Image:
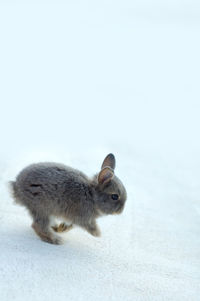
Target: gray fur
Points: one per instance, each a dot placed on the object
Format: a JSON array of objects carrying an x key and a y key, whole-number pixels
[{"x": 52, "y": 189}]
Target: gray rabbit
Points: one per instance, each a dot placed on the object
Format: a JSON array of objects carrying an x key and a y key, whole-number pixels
[{"x": 50, "y": 190}]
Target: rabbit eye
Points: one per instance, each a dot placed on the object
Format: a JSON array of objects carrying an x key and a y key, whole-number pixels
[{"x": 115, "y": 197}]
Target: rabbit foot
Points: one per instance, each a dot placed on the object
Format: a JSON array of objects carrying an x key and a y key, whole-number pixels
[
  {"x": 96, "y": 232},
  {"x": 47, "y": 237},
  {"x": 93, "y": 230},
  {"x": 62, "y": 227},
  {"x": 54, "y": 240}
]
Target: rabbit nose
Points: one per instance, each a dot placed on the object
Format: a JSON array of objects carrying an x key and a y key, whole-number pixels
[{"x": 119, "y": 206}]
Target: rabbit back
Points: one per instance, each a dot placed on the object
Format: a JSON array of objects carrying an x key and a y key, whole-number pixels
[{"x": 53, "y": 188}]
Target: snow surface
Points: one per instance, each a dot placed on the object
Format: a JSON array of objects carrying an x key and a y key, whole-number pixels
[{"x": 82, "y": 79}]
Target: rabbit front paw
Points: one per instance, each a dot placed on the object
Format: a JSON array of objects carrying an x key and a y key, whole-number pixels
[
  {"x": 93, "y": 230},
  {"x": 96, "y": 232}
]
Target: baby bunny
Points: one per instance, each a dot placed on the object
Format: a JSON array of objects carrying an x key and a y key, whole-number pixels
[{"x": 54, "y": 190}]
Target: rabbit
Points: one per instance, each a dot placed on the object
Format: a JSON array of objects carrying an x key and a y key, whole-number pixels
[{"x": 50, "y": 190}]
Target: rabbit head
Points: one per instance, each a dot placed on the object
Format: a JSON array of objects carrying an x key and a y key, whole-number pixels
[{"x": 110, "y": 192}]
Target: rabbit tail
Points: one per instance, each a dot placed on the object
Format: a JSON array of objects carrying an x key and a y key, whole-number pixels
[{"x": 14, "y": 192}]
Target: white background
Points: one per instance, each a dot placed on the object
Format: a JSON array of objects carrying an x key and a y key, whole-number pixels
[{"x": 79, "y": 79}]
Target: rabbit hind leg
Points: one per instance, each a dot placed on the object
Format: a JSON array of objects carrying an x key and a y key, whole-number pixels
[
  {"x": 63, "y": 227},
  {"x": 41, "y": 227}
]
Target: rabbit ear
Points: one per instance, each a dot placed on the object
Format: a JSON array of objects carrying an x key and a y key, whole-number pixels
[
  {"x": 105, "y": 175},
  {"x": 109, "y": 161}
]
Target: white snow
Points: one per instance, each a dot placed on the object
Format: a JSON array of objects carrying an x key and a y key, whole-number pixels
[{"x": 80, "y": 80}]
